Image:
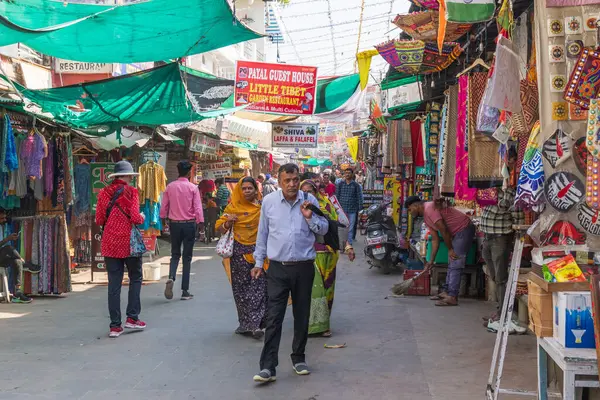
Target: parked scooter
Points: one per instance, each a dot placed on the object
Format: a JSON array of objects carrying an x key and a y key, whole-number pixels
[{"x": 381, "y": 243}]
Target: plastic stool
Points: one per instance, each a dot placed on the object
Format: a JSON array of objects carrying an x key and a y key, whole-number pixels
[{"x": 5, "y": 293}]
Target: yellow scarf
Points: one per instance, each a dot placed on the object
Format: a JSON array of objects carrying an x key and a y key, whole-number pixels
[{"x": 245, "y": 228}]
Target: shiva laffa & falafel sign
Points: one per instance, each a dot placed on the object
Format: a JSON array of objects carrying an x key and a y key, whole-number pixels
[
  {"x": 275, "y": 88},
  {"x": 304, "y": 136}
]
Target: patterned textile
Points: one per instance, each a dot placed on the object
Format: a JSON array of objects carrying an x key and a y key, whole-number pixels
[
  {"x": 530, "y": 189},
  {"x": 487, "y": 197},
  {"x": 325, "y": 272},
  {"x": 584, "y": 83},
  {"x": 502, "y": 92},
  {"x": 523, "y": 122},
  {"x": 593, "y": 126},
  {"x": 570, "y": 3},
  {"x": 448, "y": 167},
  {"x": 428, "y": 4},
  {"x": 415, "y": 56},
  {"x": 484, "y": 158},
  {"x": 461, "y": 181},
  {"x": 376, "y": 115},
  {"x": 423, "y": 25},
  {"x": 441, "y": 150},
  {"x": 469, "y": 11},
  {"x": 250, "y": 295},
  {"x": 560, "y": 111},
  {"x": 577, "y": 113},
  {"x": 592, "y": 187}
]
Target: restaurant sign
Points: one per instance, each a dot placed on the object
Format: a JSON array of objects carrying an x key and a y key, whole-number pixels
[
  {"x": 295, "y": 135},
  {"x": 201, "y": 143},
  {"x": 76, "y": 67},
  {"x": 219, "y": 169}
]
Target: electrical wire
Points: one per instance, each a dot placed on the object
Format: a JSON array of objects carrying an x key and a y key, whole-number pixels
[
  {"x": 312, "y": 28},
  {"x": 336, "y": 10},
  {"x": 353, "y": 29},
  {"x": 331, "y": 34},
  {"x": 362, "y": 11}
]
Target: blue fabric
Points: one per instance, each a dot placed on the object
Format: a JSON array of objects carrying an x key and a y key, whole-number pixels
[
  {"x": 283, "y": 233},
  {"x": 10, "y": 151},
  {"x": 137, "y": 247},
  {"x": 350, "y": 196},
  {"x": 82, "y": 188},
  {"x": 152, "y": 213},
  {"x": 352, "y": 227}
]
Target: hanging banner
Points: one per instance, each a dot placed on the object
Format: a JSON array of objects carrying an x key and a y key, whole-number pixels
[
  {"x": 275, "y": 88},
  {"x": 207, "y": 93},
  {"x": 100, "y": 173},
  {"x": 218, "y": 169},
  {"x": 304, "y": 136},
  {"x": 201, "y": 143}
]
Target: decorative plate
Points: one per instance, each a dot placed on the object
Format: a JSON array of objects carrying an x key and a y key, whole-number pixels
[
  {"x": 573, "y": 25},
  {"x": 577, "y": 113},
  {"x": 558, "y": 83},
  {"x": 557, "y": 53},
  {"x": 559, "y": 111},
  {"x": 574, "y": 48},
  {"x": 592, "y": 186},
  {"x": 590, "y": 23},
  {"x": 555, "y": 27},
  {"x": 557, "y": 148},
  {"x": 564, "y": 191},
  {"x": 588, "y": 219},
  {"x": 563, "y": 233},
  {"x": 580, "y": 155}
]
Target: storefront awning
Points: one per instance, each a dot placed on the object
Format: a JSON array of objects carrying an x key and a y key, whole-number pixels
[
  {"x": 129, "y": 139},
  {"x": 239, "y": 145}
]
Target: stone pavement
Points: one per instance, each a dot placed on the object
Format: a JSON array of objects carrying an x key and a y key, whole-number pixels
[{"x": 397, "y": 348}]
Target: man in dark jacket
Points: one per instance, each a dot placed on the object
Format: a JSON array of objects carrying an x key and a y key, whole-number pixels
[{"x": 350, "y": 195}]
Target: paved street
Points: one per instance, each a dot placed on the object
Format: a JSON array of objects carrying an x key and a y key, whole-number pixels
[{"x": 397, "y": 348}]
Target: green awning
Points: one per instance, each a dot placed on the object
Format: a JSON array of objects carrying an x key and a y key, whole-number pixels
[
  {"x": 403, "y": 110},
  {"x": 395, "y": 79},
  {"x": 332, "y": 93},
  {"x": 239, "y": 145},
  {"x": 318, "y": 162},
  {"x": 151, "y": 30}
]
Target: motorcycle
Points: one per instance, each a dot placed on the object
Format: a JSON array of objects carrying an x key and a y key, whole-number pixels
[{"x": 381, "y": 242}]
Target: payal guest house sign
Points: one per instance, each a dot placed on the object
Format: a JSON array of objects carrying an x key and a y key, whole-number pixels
[
  {"x": 275, "y": 88},
  {"x": 304, "y": 136}
]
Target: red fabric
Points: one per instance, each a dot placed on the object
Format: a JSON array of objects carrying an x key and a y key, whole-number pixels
[
  {"x": 417, "y": 143},
  {"x": 117, "y": 230},
  {"x": 330, "y": 189}
]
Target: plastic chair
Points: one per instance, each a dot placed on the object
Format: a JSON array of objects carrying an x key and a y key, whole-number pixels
[{"x": 5, "y": 291}]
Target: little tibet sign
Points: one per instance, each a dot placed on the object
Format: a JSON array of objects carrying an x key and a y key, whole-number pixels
[{"x": 304, "y": 136}]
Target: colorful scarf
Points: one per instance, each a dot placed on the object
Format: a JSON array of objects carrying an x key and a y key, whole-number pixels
[
  {"x": 246, "y": 226},
  {"x": 449, "y": 162},
  {"x": 461, "y": 181},
  {"x": 530, "y": 189}
]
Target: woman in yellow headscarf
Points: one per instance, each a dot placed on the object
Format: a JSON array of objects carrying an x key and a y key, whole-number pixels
[{"x": 250, "y": 295}]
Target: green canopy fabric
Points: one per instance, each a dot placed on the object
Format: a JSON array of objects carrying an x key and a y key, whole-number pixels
[
  {"x": 317, "y": 162},
  {"x": 403, "y": 110},
  {"x": 332, "y": 93},
  {"x": 395, "y": 79},
  {"x": 152, "y": 30},
  {"x": 152, "y": 97}
]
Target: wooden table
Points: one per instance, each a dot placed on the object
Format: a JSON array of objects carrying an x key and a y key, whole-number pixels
[{"x": 580, "y": 368}]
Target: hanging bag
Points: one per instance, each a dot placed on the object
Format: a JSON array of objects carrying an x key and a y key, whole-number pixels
[
  {"x": 225, "y": 244},
  {"x": 137, "y": 248}
]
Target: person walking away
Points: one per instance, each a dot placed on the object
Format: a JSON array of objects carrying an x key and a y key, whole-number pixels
[
  {"x": 260, "y": 181},
  {"x": 497, "y": 226},
  {"x": 223, "y": 194},
  {"x": 117, "y": 210},
  {"x": 210, "y": 211},
  {"x": 286, "y": 235},
  {"x": 269, "y": 186},
  {"x": 181, "y": 205},
  {"x": 325, "y": 270},
  {"x": 250, "y": 295},
  {"x": 327, "y": 182},
  {"x": 350, "y": 195},
  {"x": 458, "y": 233}
]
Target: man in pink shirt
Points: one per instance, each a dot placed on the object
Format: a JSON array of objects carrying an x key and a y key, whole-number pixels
[
  {"x": 182, "y": 206},
  {"x": 458, "y": 233}
]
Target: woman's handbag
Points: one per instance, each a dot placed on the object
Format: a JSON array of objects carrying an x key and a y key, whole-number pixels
[
  {"x": 137, "y": 248},
  {"x": 225, "y": 244}
]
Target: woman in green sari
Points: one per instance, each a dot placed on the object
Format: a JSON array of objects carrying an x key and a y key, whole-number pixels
[{"x": 325, "y": 265}]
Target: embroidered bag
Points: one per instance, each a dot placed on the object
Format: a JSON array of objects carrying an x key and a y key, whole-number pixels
[{"x": 225, "y": 244}]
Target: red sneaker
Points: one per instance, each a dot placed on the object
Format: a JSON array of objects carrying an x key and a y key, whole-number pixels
[
  {"x": 135, "y": 324},
  {"x": 115, "y": 332}
]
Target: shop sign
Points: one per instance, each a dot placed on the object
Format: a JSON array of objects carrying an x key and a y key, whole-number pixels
[
  {"x": 100, "y": 173},
  {"x": 275, "y": 88},
  {"x": 98, "y": 264},
  {"x": 149, "y": 242},
  {"x": 403, "y": 95},
  {"x": 76, "y": 67},
  {"x": 295, "y": 135},
  {"x": 371, "y": 197},
  {"x": 218, "y": 169},
  {"x": 204, "y": 144}
]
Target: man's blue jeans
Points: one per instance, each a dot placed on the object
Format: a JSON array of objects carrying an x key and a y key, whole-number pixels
[{"x": 352, "y": 227}]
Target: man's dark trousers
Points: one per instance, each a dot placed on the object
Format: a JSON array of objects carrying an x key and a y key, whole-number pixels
[
  {"x": 182, "y": 233},
  {"x": 283, "y": 278}
]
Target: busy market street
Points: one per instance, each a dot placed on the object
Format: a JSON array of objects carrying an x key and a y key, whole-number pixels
[{"x": 395, "y": 347}]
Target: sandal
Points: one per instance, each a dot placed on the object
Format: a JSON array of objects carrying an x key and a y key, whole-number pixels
[
  {"x": 326, "y": 334},
  {"x": 440, "y": 296},
  {"x": 445, "y": 303}
]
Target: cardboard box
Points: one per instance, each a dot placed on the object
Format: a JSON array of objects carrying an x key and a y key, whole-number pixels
[
  {"x": 573, "y": 322},
  {"x": 539, "y": 304}
]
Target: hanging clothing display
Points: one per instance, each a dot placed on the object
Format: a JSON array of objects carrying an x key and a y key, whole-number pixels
[
  {"x": 530, "y": 189},
  {"x": 152, "y": 182},
  {"x": 448, "y": 172},
  {"x": 461, "y": 182}
]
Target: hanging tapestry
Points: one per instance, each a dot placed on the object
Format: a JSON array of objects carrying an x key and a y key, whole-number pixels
[
  {"x": 557, "y": 148},
  {"x": 555, "y": 27},
  {"x": 523, "y": 122},
  {"x": 573, "y": 25},
  {"x": 592, "y": 184},
  {"x": 423, "y": 25},
  {"x": 559, "y": 111},
  {"x": 502, "y": 91},
  {"x": 484, "y": 159},
  {"x": 584, "y": 82},
  {"x": 563, "y": 233},
  {"x": 563, "y": 191},
  {"x": 468, "y": 11},
  {"x": 588, "y": 219},
  {"x": 577, "y": 113},
  {"x": 580, "y": 155},
  {"x": 448, "y": 168},
  {"x": 442, "y": 153},
  {"x": 530, "y": 186},
  {"x": 593, "y": 128},
  {"x": 462, "y": 191},
  {"x": 414, "y": 56}
]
